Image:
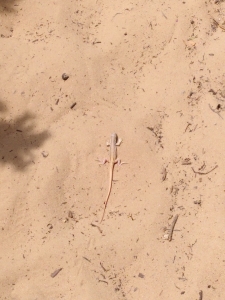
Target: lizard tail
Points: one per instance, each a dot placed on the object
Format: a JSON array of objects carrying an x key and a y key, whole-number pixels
[{"x": 109, "y": 191}]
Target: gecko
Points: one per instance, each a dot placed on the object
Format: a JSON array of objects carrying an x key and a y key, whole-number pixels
[{"x": 113, "y": 143}]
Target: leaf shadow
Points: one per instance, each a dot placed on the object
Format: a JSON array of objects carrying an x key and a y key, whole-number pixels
[
  {"x": 7, "y": 6},
  {"x": 17, "y": 140},
  {"x": 3, "y": 107}
]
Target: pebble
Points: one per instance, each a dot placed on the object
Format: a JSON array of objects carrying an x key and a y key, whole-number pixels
[
  {"x": 44, "y": 153},
  {"x": 65, "y": 76},
  {"x": 223, "y": 93}
]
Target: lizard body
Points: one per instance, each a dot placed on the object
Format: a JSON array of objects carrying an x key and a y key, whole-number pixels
[{"x": 114, "y": 142}]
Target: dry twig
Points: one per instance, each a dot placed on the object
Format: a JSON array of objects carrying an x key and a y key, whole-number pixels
[
  {"x": 202, "y": 173},
  {"x": 56, "y": 272},
  {"x": 218, "y": 24},
  {"x": 164, "y": 174},
  {"x": 86, "y": 259},
  {"x": 216, "y": 112},
  {"x": 172, "y": 228},
  {"x": 92, "y": 224}
]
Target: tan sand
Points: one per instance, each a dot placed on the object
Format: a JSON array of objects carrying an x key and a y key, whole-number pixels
[{"x": 151, "y": 71}]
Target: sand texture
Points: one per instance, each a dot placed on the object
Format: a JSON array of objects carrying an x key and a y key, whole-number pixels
[{"x": 154, "y": 73}]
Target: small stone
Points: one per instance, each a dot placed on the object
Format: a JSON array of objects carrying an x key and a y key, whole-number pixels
[
  {"x": 70, "y": 214},
  {"x": 141, "y": 275},
  {"x": 44, "y": 153},
  {"x": 166, "y": 236},
  {"x": 212, "y": 91},
  {"x": 65, "y": 76},
  {"x": 199, "y": 202},
  {"x": 223, "y": 93},
  {"x": 49, "y": 226}
]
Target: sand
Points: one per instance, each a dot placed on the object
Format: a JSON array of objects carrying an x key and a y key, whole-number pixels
[{"x": 151, "y": 71}]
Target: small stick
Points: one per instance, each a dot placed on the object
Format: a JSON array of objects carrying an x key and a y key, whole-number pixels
[
  {"x": 187, "y": 126},
  {"x": 72, "y": 106},
  {"x": 116, "y": 15},
  {"x": 97, "y": 227},
  {"x": 152, "y": 129},
  {"x": 164, "y": 174},
  {"x": 103, "y": 281},
  {"x": 87, "y": 259},
  {"x": 172, "y": 228},
  {"x": 103, "y": 267},
  {"x": 216, "y": 112},
  {"x": 202, "y": 173},
  {"x": 96, "y": 42},
  {"x": 200, "y": 295},
  {"x": 221, "y": 26},
  {"x": 56, "y": 272}
]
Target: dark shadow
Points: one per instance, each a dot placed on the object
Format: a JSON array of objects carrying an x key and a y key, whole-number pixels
[
  {"x": 3, "y": 107},
  {"x": 7, "y": 5},
  {"x": 17, "y": 139}
]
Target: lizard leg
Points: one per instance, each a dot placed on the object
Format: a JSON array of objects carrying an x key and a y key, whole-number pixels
[
  {"x": 102, "y": 162},
  {"x": 119, "y": 162},
  {"x": 119, "y": 142}
]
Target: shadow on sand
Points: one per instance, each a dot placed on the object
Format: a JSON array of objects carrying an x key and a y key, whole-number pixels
[
  {"x": 18, "y": 138},
  {"x": 7, "y": 5}
]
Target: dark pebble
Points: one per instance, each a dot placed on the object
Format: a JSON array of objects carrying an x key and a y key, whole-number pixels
[
  {"x": 141, "y": 275},
  {"x": 65, "y": 76}
]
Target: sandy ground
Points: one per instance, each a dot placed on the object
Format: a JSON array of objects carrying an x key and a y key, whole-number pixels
[{"x": 151, "y": 71}]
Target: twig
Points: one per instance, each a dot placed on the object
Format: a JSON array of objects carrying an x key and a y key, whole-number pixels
[
  {"x": 164, "y": 174},
  {"x": 86, "y": 259},
  {"x": 202, "y": 173},
  {"x": 96, "y": 42},
  {"x": 104, "y": 269},
  {"x": 221, "y": 26},
  {"x": 116, "y": 15},
  {"x": 187, "y": 126},
  {"x": 172, "y": 228},
  {"x": 152, "y": 129},
  {"x": 92, "y": 224},
  {"x": 73, "y": 105},
  {"x": 216, "y": 112},
  {"x": 56, "y": 272},
  {"x": 103, "y": 281},
  {"x": 200, "y": 295}
]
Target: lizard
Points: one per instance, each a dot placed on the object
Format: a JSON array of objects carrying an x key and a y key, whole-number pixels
[{"x": 114, "y": 142}]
